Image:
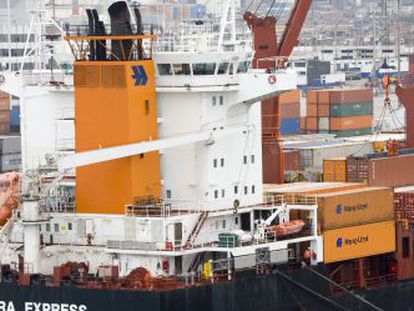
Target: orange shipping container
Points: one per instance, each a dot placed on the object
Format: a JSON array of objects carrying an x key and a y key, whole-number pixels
[
  {"x": 290, "y": 97},
  {"x": 359, "y": 241},
  {"x": 355, "y": 207},
  {"x": 311, "y": 123},
  {"x": 321, "y": 110},
  {"x": 350, "y": 123},
  {"x": 334, "y": 170}
]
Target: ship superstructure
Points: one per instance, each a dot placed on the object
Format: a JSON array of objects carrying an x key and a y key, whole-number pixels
[{"x": 167, "y": 157}]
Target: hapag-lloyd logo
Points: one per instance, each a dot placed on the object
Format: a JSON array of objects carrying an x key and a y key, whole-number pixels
[
  {"x": 351, "y": 208},
  {"x": 342, "y": 242}
]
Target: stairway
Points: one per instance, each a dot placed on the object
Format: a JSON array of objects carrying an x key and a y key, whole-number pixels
[
  {"x": 196, "y": 262},
  {"x": 197, "y": 228}
]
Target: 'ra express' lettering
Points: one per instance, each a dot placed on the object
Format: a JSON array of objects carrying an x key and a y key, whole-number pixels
[{"x": 42, "y": 306}]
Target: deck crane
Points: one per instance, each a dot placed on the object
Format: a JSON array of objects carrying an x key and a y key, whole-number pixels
[{"x": 272, "y": 54}]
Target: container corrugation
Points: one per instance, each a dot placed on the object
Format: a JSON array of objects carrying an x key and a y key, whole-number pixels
[
  {"x": 350, "y": 133},
  {"x": 356, "y": 109},
  {"x": 392, "y": 171},
  {"x": 289, "y": 110},
  {"x": 334, "y": 170},
  {"x": 292, "y": 160},
  {"x": 359, "y": 241},
  {"x": 350, "y": 123},
  {"x": 355, "y": 207},
  {"x": 289, "y": 126}
]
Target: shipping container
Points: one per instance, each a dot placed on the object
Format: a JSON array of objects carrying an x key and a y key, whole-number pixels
[
  {"x": 404, "y": 204},
  {"x": 350, "y": 123},
  {"x": 355, "y": 207},
  {"x": 4, "y": 101},
  {"x": 359, "y": 241},
  {"x": 394, "y": 171},
  {"x": 291, "y": 97},
  {"x": 10, "y": 145},
  {"x": 357, "y": 109},
  {"x": 289, "y": 126},
  {"x": 10, "y": 162},
  {"x": 313, "y": 154},
  {"x": 292, "y": 160},
  {"x": 311, "y": 123},
  {"x": 323, "y": 124},
  {"x": 321, "y": 110},
  {"x": 350, "y": 133},
  {"x": 334, "y": 170},
  {"x": 289, "y": 110}
]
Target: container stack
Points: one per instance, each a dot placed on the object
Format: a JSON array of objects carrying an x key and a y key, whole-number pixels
[
  {"x": 396, "y": 171},
  {"x": 404, "y": 204},
  {"x": 4, "y": 113},
  {"x": 356, "y": 221},
  {"x": 289, "y": 104},
  {"x": 343, "y": 112}
]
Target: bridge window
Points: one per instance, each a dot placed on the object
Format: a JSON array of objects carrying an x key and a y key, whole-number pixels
[
  {"x": 164, "y": 69},
  {"x": 204, "y": 69},
  {"x": 182, "y": 69},
  {"x": 243, "y": 67},
  {"x": 231, "y": 70},
  {"x": 223, "y": 68}
]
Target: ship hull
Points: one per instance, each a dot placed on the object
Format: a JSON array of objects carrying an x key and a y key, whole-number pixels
[{"x": 280, "y": 290}]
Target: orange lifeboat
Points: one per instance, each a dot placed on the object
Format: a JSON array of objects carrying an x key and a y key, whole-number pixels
[
  {"x": 9, "y": 198},
  {"x": 287, "y": 228}
]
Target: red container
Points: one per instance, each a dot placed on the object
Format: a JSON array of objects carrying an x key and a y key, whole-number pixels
[
  {"x": 292, "y": 160},
  {"x": 391, "y": 171},
  {"x": 350, "y": 123}
]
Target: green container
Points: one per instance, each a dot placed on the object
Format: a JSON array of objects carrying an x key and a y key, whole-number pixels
[
  {"x": 347, "y": 110},
  {"x": 228, "y": 240},
  {"x": 358, "y": 132}
]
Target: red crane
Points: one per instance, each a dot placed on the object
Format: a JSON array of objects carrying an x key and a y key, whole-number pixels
[{"x": 270, "y": 54}]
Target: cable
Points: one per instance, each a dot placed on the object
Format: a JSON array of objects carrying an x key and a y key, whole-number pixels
[
  {"x": 270, "y": 8},
  {"x": 258, "y": 7}
]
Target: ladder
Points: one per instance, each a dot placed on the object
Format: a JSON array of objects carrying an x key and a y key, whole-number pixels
[{"x": 197, "y": 228}]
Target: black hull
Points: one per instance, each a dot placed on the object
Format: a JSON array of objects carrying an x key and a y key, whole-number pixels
[{"x": 298, "y": 290}]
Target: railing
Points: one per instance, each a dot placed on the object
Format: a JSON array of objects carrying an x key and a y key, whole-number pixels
[
  {"x": 291, "y": 199},
  {"x": 163, "y": 209}
]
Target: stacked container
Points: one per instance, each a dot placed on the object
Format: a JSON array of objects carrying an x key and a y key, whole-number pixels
[
  {"x": 334, "y": 170},
  {"x": 10, "y": 152},
  {"x": 289, "y": 104},
  {"x": 343, "y": 112},
  {"x": 4, "y": 113},
  {"x": 404, "y": 204}
]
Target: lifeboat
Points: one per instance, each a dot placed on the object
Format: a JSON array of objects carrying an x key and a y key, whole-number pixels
[
  {"x": 287, "y": 228},
  {"x": 9, "y": 198}
]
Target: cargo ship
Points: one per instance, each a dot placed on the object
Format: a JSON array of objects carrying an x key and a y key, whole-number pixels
[{"x": 161, "y": 205}]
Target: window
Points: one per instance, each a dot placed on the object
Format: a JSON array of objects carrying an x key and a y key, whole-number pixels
[
  {"x": 246, "y": 191},
  {"x": 164, "y": 69},
  {"x": 147, "y": 106},
  {"x": 221, "y": 100},
  {"x": 252, "y": 158},
  {"x": 224, "y": 224},
  {"x": 217, "y": 225},
  {"x": 216, "y": 194},
  {"x": 236, "y": 220},
  {"x": 245, "y": 159},
  {"x": 223, "y": 193},
  {"x": 70, "y": 226},
  {"x": 222, "y": 69},
  {"x": 48, "y": 227},
  {"x": 405, "y": 247},
  {"x": 243, "y": 67},
  {"x": 56, "y": 227},
  {"x": 215, "y": 163},
  {"x": 214, "y": 100},
  {"x": 221, "y": 162},
  {"x": 168, "y": 194},
  {"x": 253, "y": 189},
  {"x": 204, "y": 69},
  {"x": 236, "y": 189},
  {"x": 182, "y": 69}
]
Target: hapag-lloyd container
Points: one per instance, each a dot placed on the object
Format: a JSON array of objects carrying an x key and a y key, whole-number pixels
[
  {"x": 355, "y": 207},
  {"x": 359, "y": 241}
]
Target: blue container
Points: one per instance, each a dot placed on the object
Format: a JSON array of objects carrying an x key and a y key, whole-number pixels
[
  {"x": 198, "y": 11},
  {"x": 15, "y": 115},
  {"x": 289, "y": 126}
]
